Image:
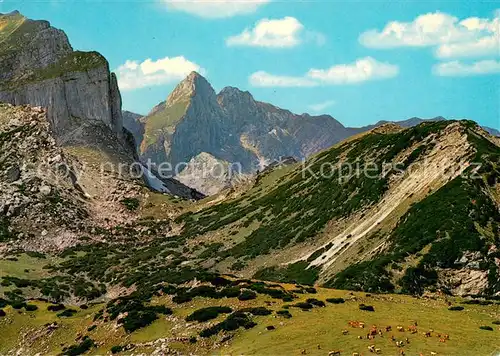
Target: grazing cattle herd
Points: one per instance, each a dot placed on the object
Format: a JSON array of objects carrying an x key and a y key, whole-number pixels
[{"x": 375, "y": 331}]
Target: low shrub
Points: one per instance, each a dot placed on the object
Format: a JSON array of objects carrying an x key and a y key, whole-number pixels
[
  {"x": 284, "y": 313},
  {"x": 182, "y": 298},
  {"x": 116, "y": 349},
  {"x": 486, "y": 327},
  {"x": 131, "y": 204},
  {"x": 315, "y": 302},
  {"x": 67, "y": 313},
  {"x": 137, "y": 319},
  {"x": 92, "y": 327},
  {"x": 2, "y": 313},
  {"x": 206, "y": 314},
  {"x": 30, "y": 307},
  {"x": 496, "y": 322},
  {"x": 335, "y": 300},
  {"x": 229, "y": 292},
  {"x": 256, "y": 311},
  {"x": 456, "y": 308},
  {"x": 232, "y": 322},
  {"x": 366, "y": 307},
  {"x": 303, "y": 305},
  {"x": 75, "y": 350},
  {"x": 247, "y": 295},
  {"x": 55, "y": 308},
  {"x": 18, "y": 304}
]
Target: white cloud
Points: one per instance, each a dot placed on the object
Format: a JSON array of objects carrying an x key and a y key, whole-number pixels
[
  {"x": 134, "y": 75},
  {"x": 281, "y": 33},
  {"x": 482, "y": 47},
  {"x": 362, "y": 70},
  {"x": 214, "y": 9},
  {"x": 321, "y": 106},
  {"x": 458, "y": 69},
  {"x": 264, "y": 79},
  {"x": 471, "y": 37}
]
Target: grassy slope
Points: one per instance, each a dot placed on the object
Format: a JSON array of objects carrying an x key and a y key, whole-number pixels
[
  {"x": 161, "y": 122},
  {"x": 324, "y": 326},
  {"x": 460, "y": 217},
  {"x": 9, "y": 24},
  {"x": 296, "y": 209}
]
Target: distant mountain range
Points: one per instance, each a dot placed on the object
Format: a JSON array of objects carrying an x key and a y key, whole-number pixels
[{"x": 232, "y": 126}]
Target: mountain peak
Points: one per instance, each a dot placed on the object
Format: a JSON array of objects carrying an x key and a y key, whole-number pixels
[
  {"x": 12, "y": 13},
  {"x": 234, "y": 96},
  {"x": 194, "y": 84}
]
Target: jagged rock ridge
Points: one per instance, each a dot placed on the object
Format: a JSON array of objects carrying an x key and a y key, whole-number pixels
[{"x": 39, "y": 67}]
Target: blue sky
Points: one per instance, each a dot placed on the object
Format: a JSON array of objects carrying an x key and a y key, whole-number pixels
[{"x": 330, "y": 57}]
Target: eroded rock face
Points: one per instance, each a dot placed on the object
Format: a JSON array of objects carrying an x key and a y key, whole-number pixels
[
  {"x": 131, "y": 121},
  {"x": 230, "y": 126},
  {"x": 51, "y": 195},
  {"x": 29, "y": 45},
  {"x": 207, "y": 174},
  {"x": 40, "y": 68}
]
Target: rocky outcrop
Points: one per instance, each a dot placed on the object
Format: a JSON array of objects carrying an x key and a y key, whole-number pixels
[
  {"x": 131, "y": 122},
  {"x": 40, "y": 68},
  {"x": 232, "y": 127},
  {"x": 208, "y": 174}
]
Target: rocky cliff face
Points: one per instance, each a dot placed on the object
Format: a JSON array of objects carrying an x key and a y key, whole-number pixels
[
  {"x": 39, "y": 67},
  {"x": 188, "y": 123},
  {"x": 230, "y": 126},
  {"x": 132, "y": 123}
]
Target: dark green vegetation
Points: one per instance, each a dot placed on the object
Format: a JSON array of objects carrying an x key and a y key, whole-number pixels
[
  {"x": 451, "y": 220},
  {"x": 137, "y": 316},
  {"x": 247, "y": 295},
  {"x": 366, "y": 307},
  {"x": 298, "y": 208},
  {"x": 486, "y": 327},
  {"x": 284, "y": 313},
  {"x": 116, "y": 349},
  {"x": 233, "y": 322},
  {"x": 84, "y": 346},
  {"x": 209, "y": 313},
  {"x": 67, "y": 313},
  {"x": 131, "y": 204},
  {"x": 336, "y": 300}
]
